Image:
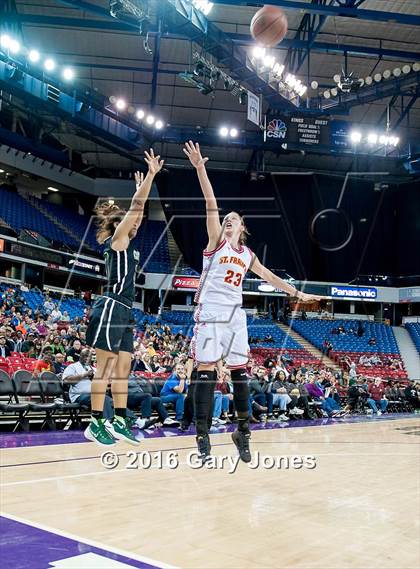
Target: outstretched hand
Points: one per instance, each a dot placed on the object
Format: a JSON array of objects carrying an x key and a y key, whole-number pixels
[
  {"x": 154, "y": 163},
  {"x": 194, "y": 154},
  {"x": 302, "y": 296}
]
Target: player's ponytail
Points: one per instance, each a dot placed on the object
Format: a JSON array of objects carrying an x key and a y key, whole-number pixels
[{"x": 106, "y": 216}]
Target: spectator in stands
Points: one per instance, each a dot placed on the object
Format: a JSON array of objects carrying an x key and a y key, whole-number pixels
[
  {"x": 174, "y": 390},
  {"x": 223, "y": 396},
  {"x": 48, "y": 305},
  {"x": 57, "y": 345},
  {"x": 360, "y": 329},
  {"x": 59, "y": 365},
  {"x": 260, "y": 390},
  {"x": 65, "y": 317},
  {"x": 5, "y": 350},
  {"x": 279, "y": 388},
  {"x": 357, "y": 395},
  {"x": 412, "y": 394},
  {"x": 328, "y": 405},
  {"x": 75, "y": 351},
  {"x": 352, "y": 373},
  {"x": 140, "y": 397},
  {"x": 18, "y": 341},
  {"x": 377, "y": 397},
  {"x": 56, "y": 314},
  {"x": 45, "y": 361},
  {"x": 372, "y": 341},
  {"x": 79, "y": 376}
]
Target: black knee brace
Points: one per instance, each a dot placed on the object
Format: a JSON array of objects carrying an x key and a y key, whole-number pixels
[
  {"x": 203, "y": 400},
  {"x": 240, "y": 391}
]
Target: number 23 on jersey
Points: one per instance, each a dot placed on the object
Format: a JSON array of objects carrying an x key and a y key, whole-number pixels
[{"x": 233, "y": 278}]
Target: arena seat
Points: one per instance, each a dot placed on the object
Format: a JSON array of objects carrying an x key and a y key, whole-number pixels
[
  {"x": 20, "y": 214},
  {"x": 414, "y": 331}
]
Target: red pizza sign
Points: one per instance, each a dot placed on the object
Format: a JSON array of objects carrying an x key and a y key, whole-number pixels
[{"x": 185, "y": 282}]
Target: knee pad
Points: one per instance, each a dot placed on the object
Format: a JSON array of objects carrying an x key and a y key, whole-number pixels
[{"x": 240, "y": 390}]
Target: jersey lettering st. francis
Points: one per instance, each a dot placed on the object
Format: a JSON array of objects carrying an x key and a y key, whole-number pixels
[{"x": 224, "y": 270}]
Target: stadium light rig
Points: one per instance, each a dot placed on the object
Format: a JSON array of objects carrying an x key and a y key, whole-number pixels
[
  {"x": 373, "y": 138},
  {"x": 289, "y": 86},
  {"x": 231, "y": 132},
  {"x": 121, "y": 106}
]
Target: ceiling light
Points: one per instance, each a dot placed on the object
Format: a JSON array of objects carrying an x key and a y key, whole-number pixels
[
  {"x": 355, "y": 136},
  {"x": 327, "y": 94},
  {"x": 406, "y": 69},
  {"x": 34, "y": 55},
  {"x": 140, "y": 114},
  {"x": 314, "y": 85},
  {"x": 1, "y": 171},
  {"x": 223, "y": 131},
  {"x": 233, "y": 132},
  {"x": 258, "y": 52},
  {"x": 52, "y": 189},
  {"x": 49, "y": 64},
  {"x": 416, "y": 66},
  {"x": 14, "y": 46},
  {"x": 378, "y": 77},
  {"x": 68, "y": 74},
  {"x": 278, "y": 68},
  {"x": 159, "y": 125},
  {"x": 150, "y": 119},
  {"x": 5, "y": 41},
  {"x": 396, "y": 72},
  {"x": 372, "y": 138},
  {"x": 334, "y": 92},
  {"x": 386, "y": 74},
  {"x": 337, "y": 78},
  {"x": 368, "y": 80},
  {"x": 120, "y": 104},
  {"x": 269, "y": 61}
]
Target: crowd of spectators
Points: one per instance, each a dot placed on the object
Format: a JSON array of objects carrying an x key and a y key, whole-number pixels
[{"x": 160, "y": 380}]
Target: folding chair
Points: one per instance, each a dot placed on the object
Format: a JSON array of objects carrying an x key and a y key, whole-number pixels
[
  {"x": 28, "y": 386},
  {"x": 51, "y": 386},
  {"x": 12, "y": 405}
]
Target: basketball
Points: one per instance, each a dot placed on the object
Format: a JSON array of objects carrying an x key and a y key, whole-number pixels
[{"x": 269, "y": 26}]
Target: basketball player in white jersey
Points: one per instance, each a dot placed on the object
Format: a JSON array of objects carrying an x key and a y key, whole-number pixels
[{"x": 221, "y": 328}]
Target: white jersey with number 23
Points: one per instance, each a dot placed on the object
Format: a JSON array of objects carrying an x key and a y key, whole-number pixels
[{"x": 224, "y": 270}]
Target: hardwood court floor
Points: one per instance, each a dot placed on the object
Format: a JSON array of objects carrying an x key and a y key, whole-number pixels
[{"x": 358, "y": 508}]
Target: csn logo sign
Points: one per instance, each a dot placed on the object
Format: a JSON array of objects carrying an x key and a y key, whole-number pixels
[
  {"x": 353, "y": 292},
  {"x": 276, "y": 129}
]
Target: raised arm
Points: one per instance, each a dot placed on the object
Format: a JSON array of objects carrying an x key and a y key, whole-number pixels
[
  {"x": 258, "y": 268},
  {"x": 214, "y": 228},
  {"x": 134, "y": 216}
]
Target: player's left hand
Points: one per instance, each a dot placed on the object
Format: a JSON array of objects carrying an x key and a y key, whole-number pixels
[
  {"x": 302, "y": 296},
  {"x": 154, "y": 163}
]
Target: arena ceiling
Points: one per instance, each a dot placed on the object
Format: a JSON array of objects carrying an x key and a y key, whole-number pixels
[{"x": 109, "y": 56}]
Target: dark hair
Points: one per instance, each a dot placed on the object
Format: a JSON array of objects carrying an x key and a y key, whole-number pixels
[{"x": 106, "y": 216}]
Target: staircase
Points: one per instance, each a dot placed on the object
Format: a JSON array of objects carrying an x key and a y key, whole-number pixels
[
  {"x": 408, "y": 352},
  {"x": 35, "y": 202},
  {"x": 323, "y": 359}
]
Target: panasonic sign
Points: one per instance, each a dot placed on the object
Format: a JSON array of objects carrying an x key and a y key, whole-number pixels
[{"x": 354, "y": 292}]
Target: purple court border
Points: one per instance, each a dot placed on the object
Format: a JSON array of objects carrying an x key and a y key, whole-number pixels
[
  {"x": 24, "y": 546},
  {"x": 14, "y": 440}
]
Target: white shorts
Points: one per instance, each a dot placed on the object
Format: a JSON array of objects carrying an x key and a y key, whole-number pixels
[{"x": 220, "y": 332}]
